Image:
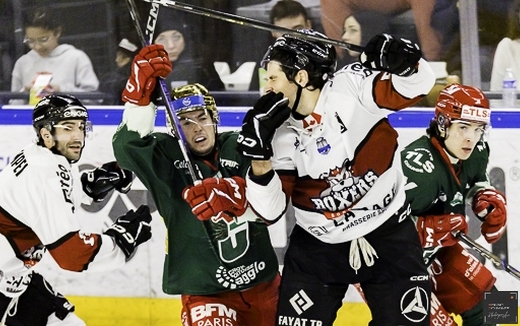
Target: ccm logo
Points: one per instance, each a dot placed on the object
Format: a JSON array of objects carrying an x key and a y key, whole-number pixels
[{"x": 419, "y": 278}]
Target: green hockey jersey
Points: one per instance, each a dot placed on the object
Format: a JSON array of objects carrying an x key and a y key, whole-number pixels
[
  {"x": 202, "y": 257},
  {"x": 435, "y": 186}
]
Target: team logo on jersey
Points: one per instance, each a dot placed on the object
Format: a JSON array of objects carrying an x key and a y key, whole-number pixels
[
  {"x": 414, "y": 304},
  {"x": 419, "y": 160},
  {"x": 323, "y": 146},
  {"x": 344, "y": 190}
]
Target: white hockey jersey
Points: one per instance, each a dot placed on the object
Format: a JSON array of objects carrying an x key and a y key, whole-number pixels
[
  {"x": 339, "y": 165},
  {"x": 38, "y": 198}
]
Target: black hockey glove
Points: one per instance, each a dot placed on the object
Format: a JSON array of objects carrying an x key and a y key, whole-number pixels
[
  {"x": 49, "y": 299},
  {"x": 98, "y": 182},
  {"x": 396, "y": 56},
  {"x": 259, "y": 125},
  {"x": 131, "y": 229}
]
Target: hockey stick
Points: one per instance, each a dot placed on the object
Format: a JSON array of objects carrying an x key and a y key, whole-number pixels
[
  {"x": 175, "y": 125},
  {"x": 245, "y": 21},
  {"x": 497, "y": 262}
]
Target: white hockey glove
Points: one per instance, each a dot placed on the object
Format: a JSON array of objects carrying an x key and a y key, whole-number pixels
[
  {"x": 260, "y": 124},
  {"x": 97, "y": 183},
  {"x": 131, "y": 229},
  {"x": 396, "y": 56}
]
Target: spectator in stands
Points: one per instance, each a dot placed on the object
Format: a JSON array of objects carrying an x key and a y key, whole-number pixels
[
  {"x": 289, "y": 14},
  {"x": 71, "y": 68},
  {"x": 114, "y": 82},
  {"x": 173, "y": 32},
  {"x": 507, "y": 54},
  {"x": 445, "y": 20},
  {"x": 333, "y": 13},
  {"x": 358, "y": 28}
]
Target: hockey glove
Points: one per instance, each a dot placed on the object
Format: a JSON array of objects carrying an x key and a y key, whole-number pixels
[
  {"x": 436, "y": 230},
  {"x": 384, "y": 52},
  {"x": 217, "y": 198},
  {"x": 151, "y": 62},
  {"x": 260, "y": 124},
  {"x": 489, "y": 205},
  {"x": 131, "y": 229},
  {"x": 53, "y": 299},
  {"x": 98, "y": 182}
]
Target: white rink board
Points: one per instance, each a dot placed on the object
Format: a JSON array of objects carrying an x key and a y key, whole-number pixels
[{"x": 142, "y": 276}]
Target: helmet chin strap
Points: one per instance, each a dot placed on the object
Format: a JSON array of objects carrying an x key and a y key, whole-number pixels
[
  {"x": 296, "y": 115},
  {"x": 442, "y": 141}
]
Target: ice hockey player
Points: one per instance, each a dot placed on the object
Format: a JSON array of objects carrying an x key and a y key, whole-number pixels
[
  {"x": 445, "y": 169},
  {"x": 219, "y": 255},
  {"x": 38, "y": 199},
  {"x": 325, "y": 142}
]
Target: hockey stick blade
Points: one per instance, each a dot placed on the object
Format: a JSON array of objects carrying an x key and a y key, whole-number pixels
[
  {"x": 495, "y": 260},
  {"x": 175, "y": 125},
  {"x": 245, "y": 21}
]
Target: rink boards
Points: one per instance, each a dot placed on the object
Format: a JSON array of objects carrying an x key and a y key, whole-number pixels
[{"x": 133, "y": 295}]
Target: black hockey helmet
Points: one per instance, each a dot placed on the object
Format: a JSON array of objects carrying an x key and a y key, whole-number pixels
[
  {"x": 296, "y": 53},
  {"x": 54, "y": 108}
]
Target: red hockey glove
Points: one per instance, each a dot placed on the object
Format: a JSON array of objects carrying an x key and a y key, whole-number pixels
[
  {"x": 221, "y": 198},
  {"x": 436, "y": 230},
  {"x": 396, "y": 56},
  {"x": 151, "y": 62},
  {"x": 489, "y": 205}
]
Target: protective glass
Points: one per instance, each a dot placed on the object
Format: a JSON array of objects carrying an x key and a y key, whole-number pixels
[{"x": 70, "y": 127}]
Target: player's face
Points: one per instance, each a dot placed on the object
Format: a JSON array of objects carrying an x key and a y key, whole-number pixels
[
  {"x": 351, "y": 33},
  {"x": 462, "y": 138},
  {"x": 297, "y": 22},
  {"x": 277, "y": 82},
  {"x": 41, "y": 40},
  {"x": 173, "y": 43},
  {"x": 69, "y": 138},
  {"x": 199, "y": 130}
]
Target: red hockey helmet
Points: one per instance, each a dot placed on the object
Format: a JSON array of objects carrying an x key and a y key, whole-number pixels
[{"x": 461, "y": 102}]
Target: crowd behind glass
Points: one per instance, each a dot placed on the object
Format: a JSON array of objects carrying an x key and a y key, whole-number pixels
[{"x": 206, "y": 41}]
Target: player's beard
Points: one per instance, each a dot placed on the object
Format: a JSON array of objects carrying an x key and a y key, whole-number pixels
[{"x": 71, "y": 150}]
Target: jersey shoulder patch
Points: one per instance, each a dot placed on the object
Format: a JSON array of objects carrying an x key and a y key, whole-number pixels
[{"x": 418, "y": 160}]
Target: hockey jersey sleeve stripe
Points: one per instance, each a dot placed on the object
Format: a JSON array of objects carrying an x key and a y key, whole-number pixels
[
  {"x": 387, "y": 97},
  {"x": 75, "y": 250},
  {"x": 19, "y": 235},
  {"x": 376, "y": 152}
]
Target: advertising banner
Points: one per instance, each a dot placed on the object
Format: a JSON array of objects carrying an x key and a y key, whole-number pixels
[{"x": 142, "y": 276}]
